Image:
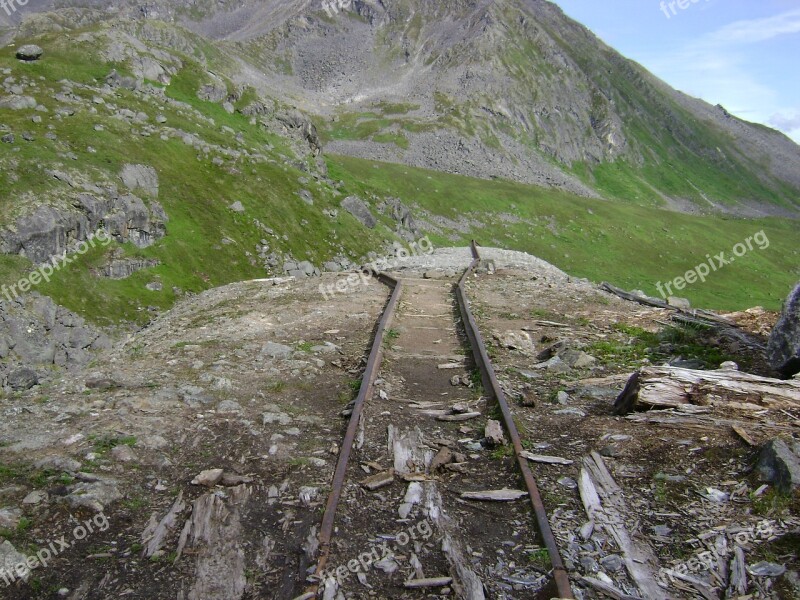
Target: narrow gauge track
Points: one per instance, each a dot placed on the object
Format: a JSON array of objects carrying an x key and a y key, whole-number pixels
[{"x": 417, "y": 537}]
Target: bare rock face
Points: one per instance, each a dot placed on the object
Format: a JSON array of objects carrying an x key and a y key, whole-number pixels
[
  {"x": 36, "y": 333},
  {"x": 49, "y": 232},
  {"x": 784, "y": 343},
  {"x": 359, "y": 209},
  {"x": 140, "y": 177}
]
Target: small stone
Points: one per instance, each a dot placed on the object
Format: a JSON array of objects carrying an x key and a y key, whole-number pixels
[
  {"x": 568, "y": 482},
  {"x": 123, "y": 453},
  {"x": 36, "y": 497},
  {"x": 612, "y": 562},
  {"x": 562, "y": 397},
  {"x": 766, "y": 569},
  {"x": 209, "y": 478}
]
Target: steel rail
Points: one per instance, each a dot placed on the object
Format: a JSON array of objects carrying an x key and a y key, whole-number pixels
[
  {"x": 560, "y": 583},
  {"x": 364, "y": 394}
]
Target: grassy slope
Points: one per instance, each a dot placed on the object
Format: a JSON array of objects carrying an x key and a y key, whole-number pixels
[
  {"x": 195, "y": 193},
  {"x": 630, "y": 246}
]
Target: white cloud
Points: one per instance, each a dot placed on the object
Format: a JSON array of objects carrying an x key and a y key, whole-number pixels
[
  {"x": 715, "y": 68},
  {"x": 756, "y": 30}
]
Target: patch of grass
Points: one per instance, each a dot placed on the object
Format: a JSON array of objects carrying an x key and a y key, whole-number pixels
[
  {"x": 276, "y": 387},
  {"x": 633, "y": 247},
  {"x": 105, "y": 443},
  {"x": 773, "y": 503},
  {"x": 687, "y": 342}
]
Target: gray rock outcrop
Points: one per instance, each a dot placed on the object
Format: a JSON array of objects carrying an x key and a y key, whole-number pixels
[
  {"x": 49, "y": 231},
  {"x": 140, "y": 177},
  {"x": 783, "y": 350},
  {"x": 36, "y": 333},
  {"x": 294, "y": 121},
  {"x": 359, "y": 209}
]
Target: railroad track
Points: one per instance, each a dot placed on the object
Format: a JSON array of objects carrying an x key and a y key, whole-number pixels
[{"x": 403, "y": 518}]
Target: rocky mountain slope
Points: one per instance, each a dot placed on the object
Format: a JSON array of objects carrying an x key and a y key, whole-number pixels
[
  {"x": 198, "y": 162},
  {"x": 511, "y": 89}
]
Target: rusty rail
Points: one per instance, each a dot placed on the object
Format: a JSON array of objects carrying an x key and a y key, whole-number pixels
[
  {"x": 364, "y": 394},
  {"x": 559, "y": 585},
  {"x": 560, "y": 582}
]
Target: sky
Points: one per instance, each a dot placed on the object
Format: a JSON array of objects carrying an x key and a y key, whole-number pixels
[{"x": 742, "y": 54}]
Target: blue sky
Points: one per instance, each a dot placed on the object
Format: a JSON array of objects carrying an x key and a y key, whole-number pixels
[{"x": 743, "y": 54}]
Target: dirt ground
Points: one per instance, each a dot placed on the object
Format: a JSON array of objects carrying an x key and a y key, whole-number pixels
[{"x": 252, "y": 379}]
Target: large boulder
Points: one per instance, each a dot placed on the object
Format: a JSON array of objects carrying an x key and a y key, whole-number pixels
[
  {"x": 779, "y": 464},
  {"x": 29, "y": 52},
  {"x": 784, "y": 343},
  {"x": 359, "y": 209}
]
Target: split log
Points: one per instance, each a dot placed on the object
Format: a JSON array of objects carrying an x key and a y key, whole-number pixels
[
  {"x": 670, "y": 387},
  {"x": 607, "y": 589},
  {"x": 466, "y": 582},
  {"x": 604, "y": 504},
  {"x": 156, "y": 533}
]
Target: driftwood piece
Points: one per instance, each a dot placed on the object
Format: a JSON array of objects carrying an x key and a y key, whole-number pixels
[
  {"x": 466, "y": 582},
  {"x": 216, "y": 533},
  {"x": 670, "y": 387},
  {"x": 428, "y": 582},
  {"x": 607, "y": 589},
  {"x": 548, "y": 460},
  {"x": 605, "y": 505},
  {"x": 156, "y": 533},
  {"x": 699, "y": 315},
  {"x": 495, "y": 495},
  {"x": 677, "y": 419}
]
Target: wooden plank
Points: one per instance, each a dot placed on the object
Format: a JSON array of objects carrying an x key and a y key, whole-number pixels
[
  {"x": 495, "y": 495},
  {"x": 467, "y": 584},
  {"x": 429, "y": 582},
  {"x": 605, "y": 506},
  {"x": 548, "y": 460}
]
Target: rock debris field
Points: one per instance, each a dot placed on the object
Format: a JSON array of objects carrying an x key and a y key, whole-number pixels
[{"x": 193, "y": 459}]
